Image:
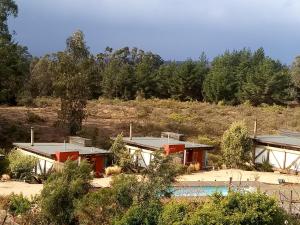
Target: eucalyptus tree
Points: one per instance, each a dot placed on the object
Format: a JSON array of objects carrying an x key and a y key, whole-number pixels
[{"x": 71, "y": 82}]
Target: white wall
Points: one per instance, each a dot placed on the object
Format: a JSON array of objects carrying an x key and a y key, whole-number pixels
[
  {"x": 278, "y": 157},
  {"x": 146, "y": 154},
  {"x": 44, "y": 164}
]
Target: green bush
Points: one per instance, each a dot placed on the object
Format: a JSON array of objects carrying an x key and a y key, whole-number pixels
[
  {"x": 140, "y": 214},
  {"x": 238, "y": 209},
  {"x": 173, "y": 213},
  {"x": 21, "y": 166},
  {"x": 236, "y": 145},
  {"x": 63, "y": 189},
  {"x": 19, "y": 204},
  {"x": 96, "y": 206},
  {"x": 265, "y": 166}
]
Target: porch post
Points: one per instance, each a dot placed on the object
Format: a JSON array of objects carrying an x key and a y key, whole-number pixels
[{"x": 184, "y": 157}]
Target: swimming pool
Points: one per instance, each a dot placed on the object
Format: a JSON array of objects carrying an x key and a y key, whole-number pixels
[{"x": 196, "y": 191}]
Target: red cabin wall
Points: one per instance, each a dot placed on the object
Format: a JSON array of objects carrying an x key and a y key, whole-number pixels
[
  {"x": 64, "y": 156},
  {"x": 169, "y": 149}
]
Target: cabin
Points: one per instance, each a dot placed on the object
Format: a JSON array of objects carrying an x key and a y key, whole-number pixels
[
  {"x": 51, "y": 155},
  {"x": 185, "y": 152},
  {"x": 281, "y": 151}
]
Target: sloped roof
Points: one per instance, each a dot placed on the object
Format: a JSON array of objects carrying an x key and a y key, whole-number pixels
[
  {"x": 49, "y": 149},
  {"x": 279, "y": 140},
  {"x": 157, "y": 143}
]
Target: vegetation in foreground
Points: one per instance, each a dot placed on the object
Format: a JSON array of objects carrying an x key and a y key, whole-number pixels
[{"x": 137, "y": 200}]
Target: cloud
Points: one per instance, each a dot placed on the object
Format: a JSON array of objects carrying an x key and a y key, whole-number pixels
[{"x": 173, "y": 28}]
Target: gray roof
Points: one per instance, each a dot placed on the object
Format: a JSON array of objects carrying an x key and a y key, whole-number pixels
[
  {"x": 158, "y": 143},
  {"x": 49, "y": 149},
  {"x": 280, "y": 140}
]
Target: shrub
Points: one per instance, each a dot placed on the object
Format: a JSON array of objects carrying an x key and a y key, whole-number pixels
[
  {"x": 63, "y": 189},
  {"x": 113, "y": 170},
  {"x": 18, "y": 204},
  {"x": 33, "y": 118},
  {"x": 265, "y": 166},
  {"x": 215, "y": 160},
  {"x": 4, "y": 202},
  {"x": 193, "y": 167},
  {"x": 25, "y": 98},
  {"x": 173, "y": 213},
  {"x": 95, "y": 207},
  {"x": 140, "y": 214},
  {"x": 43, "y": 102},
  {"x": 236, "y": 144},
  {"x": 21, "y": 165},
  {"x": 238, "y": 208},
  {"x": 121, "y": 155}
]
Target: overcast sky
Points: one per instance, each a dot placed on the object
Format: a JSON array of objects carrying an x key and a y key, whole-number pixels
[{"x": 175, "y": 29}]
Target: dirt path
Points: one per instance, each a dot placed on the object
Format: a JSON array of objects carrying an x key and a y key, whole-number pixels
[{"x": 16, "y": 187}]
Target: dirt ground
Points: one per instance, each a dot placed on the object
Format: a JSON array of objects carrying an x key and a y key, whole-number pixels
[
  {"x": 264, "y": 181},
  {"x": 240, "y": 175},
  {"x": 16, "y": 187}
]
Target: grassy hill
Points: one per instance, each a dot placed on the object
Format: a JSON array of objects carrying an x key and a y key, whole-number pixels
[{"x": 199, "y": 121}]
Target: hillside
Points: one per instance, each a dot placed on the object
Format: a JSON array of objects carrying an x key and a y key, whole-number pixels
[{"x": 106, "y": 118}]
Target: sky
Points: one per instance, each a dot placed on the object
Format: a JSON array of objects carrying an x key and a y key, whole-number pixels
[{"x": 174, "y": 29}]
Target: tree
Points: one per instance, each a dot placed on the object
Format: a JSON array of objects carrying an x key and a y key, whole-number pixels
[
  {"x": 165, "y": 74},
  {"x": 295, "y": 74},
  {"x": 236, "y": 144},
  {"x": 121, "y": 155},
  {"x": 63, "y": 189},
  {"x": 131, "y": 199},
  {"x": 14, "y": 59},
  {"x": 222, "y": 82},
  {"x": 71, "y": 82},
  {"x": 269, "y": 83},
  {"x": 239, "y": 76},
  {"x": 145, "y": 73},
  {"x": 188, "y": 79},
  {"x": 7, "y": 8},
  {"x": 118, "y": 80},
  {"x": 42, "y": 77}
]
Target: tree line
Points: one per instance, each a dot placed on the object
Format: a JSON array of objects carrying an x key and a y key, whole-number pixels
[{"x": 234, "y": 77}]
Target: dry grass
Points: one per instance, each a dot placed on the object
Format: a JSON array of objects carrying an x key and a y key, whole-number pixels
[
  {"x": 195, "y": 119},
  {"x": 193, "y": 168},
  {"x": 112, "y": 170}
]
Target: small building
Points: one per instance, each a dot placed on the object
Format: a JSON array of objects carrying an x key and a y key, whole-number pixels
[
  {"x": 50, "y": 155},
  {"x": 171, "y": 143},
  {"x": 281, "y": 151}
]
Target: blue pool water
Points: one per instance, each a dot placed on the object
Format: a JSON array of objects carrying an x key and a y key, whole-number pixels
[{"x": 190, "y": 191}]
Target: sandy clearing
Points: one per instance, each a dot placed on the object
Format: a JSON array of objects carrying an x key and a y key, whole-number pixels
[
  {"x": 9, "y": 187},
  {"x": 240, "y": 175}
]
